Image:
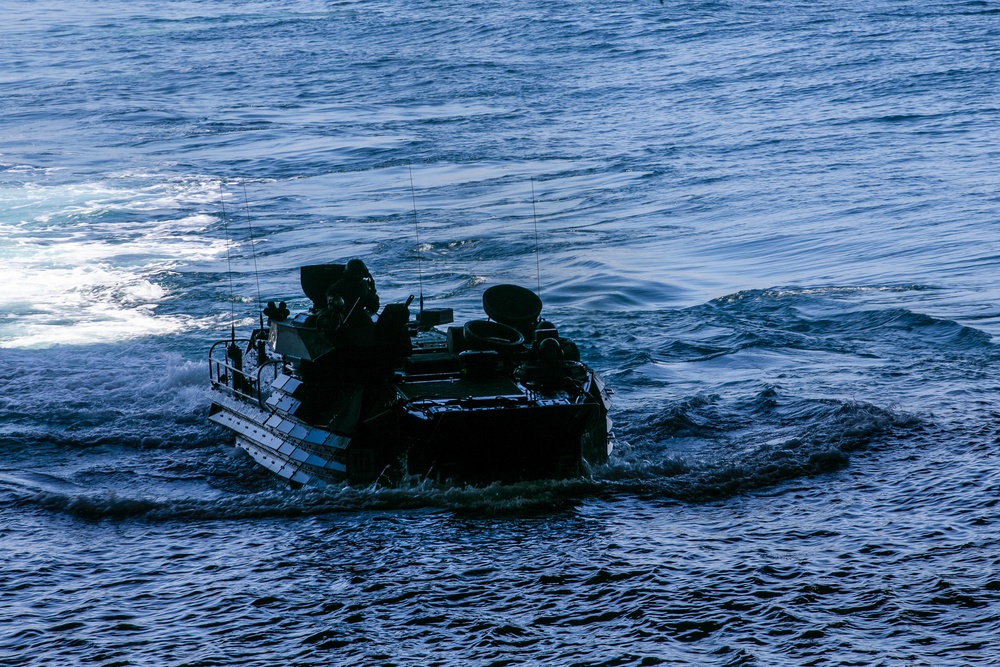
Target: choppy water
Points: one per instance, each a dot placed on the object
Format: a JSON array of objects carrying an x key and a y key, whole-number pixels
[{"x": 772, "y": 226}]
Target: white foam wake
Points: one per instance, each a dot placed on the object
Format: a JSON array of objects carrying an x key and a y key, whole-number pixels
[{"x": 92, "y": 262}]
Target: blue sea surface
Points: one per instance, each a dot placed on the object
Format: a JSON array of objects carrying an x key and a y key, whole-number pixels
[{"x": 772, "y": 226}]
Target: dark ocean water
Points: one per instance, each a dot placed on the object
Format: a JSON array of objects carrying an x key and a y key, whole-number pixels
[{"x": 772, "y": 226}]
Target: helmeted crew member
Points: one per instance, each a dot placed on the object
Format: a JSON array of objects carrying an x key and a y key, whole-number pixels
[
  {"x": 357, "y": 288},
  {"x": 351, "y": 301},
  {"x": 331, "y": 317}
]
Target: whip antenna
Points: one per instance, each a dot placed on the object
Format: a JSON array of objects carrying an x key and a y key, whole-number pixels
[
  {"x": 253, "y": 253},
  {"x": 416, "y": 229},
  {"x": 229, "y": 262},
  {"x": 534, "y": 214}
]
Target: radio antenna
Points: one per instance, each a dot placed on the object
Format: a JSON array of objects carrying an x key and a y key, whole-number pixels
[
  {"x": 253, "y": 253},
  {"x": 229, "y": 262},
  {"x": 538, "y": 268},
  {"x": 416, "y": 230}
]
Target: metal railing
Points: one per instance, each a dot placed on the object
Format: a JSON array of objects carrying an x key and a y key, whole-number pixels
[{"x": 238, "y": 379}]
